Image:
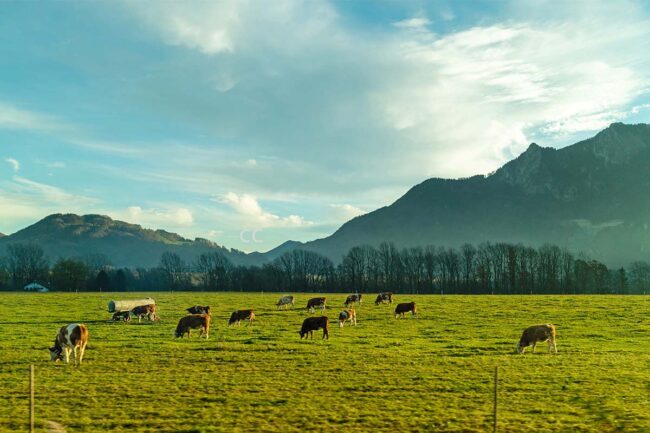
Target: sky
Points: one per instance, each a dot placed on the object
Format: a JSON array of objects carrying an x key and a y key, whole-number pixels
[{"x": 284, "y": 119}]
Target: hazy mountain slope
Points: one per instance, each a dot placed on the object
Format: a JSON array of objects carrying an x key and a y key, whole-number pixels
[
  {"x": 123, "y": 243},
  {"x": 593, "y": 196}
]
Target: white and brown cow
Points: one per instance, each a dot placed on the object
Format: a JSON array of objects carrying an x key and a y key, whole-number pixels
[
  {"x": 237, "y": 316},
  {"x": 535, "y": 334},
  {"x": 384, "y": 298},
  {"x": 404, "y": 308},
  {"x": 348, "y": 315},
  {"x": 71, "y": 338},
  {"x": 313, "y": 303},
  {"x": 148, "y": 311},
  {"x": 311, "y": 324},
  {"x": 285, "y": 301},
  {"x": 352, "y": 299},
  {"x": 193, "y": 321}
]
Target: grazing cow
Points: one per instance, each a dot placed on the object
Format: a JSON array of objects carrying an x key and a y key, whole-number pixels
[
  {"x": 141, "y": 311},
  {"x": 311, "y": 324},
  {"x": 351, "y": 299},
  {"x": 384, "y": 298},
  {"x": 193, "y": 321},
  {"x": 198, "y": 309},
  {"x": 316, "y": 302},
  {"x": 70, "y": 339},
  {"x": 537, "y": 333},
  {"x": 239, "y": 315},
  {"x": 348, "y": 315},
  {"x": 401, "y": 309},
  {"x": 285, "y": 301}
]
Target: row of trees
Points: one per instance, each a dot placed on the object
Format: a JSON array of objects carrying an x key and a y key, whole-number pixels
[{"x": 497, "y": 268}]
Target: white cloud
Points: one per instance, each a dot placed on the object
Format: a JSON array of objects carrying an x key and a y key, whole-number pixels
[
  {"x": 345, "y": 212},
  {"x": 249, "y": 208},
  {"x": 413, "y": 23},
  {"x": 15, "y": 165},
  {"x": 466, "y": 102},
  {"x": 155, "y": 217},
  {"x": 12, "y": 117}
]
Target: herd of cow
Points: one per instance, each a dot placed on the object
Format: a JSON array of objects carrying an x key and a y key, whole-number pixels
[{"x": 73, "y": 338}]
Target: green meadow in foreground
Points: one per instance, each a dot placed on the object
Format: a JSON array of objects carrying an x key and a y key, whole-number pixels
[{"x": 430, "y": 373}]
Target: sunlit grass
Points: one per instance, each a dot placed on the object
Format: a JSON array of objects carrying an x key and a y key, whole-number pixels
[{"x": 428, "y": 373}]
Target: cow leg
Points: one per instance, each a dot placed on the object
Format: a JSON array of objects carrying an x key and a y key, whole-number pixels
[
  {"x": 534, "y": 345},
  {"x": 81, "y": 353},
  {"x": 66, "y": 357},
  {"x": 551, "y": 343}
]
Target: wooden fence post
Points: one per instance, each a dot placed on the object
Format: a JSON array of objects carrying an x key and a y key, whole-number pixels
[
  {"x": 31, "y": 398},
  {"x": 496, "y": 398}
]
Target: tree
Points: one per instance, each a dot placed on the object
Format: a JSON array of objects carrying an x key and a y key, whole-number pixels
[
  {"x": 103, "y": 281},
  {"x": 69, "y": 274},
  {"x": 26, "y": 263},
  {"x": 214, "y": 269},
  {"x": 174, "y": 269},
  {"x": 120, "y": 281},
  {"x": 639, "y": 277}
]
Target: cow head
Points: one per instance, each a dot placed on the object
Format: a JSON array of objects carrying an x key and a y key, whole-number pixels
[
  {"x": 56, "y": 354},
  {"x": 521, "y": 345}
]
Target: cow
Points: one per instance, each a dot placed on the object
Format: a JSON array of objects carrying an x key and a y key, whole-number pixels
[
  {"x": 537, "y": 333},
  {"x": 351, "y": 299},
  {"x": 199, "y": 309},
  {"x": 401, "y": 309},
  {"x": 348, "y": 315},
  {"x": 193, "y": 321},
  {"x": 311, "y": 324},
  {"x": 382, "y": 298},
  {"x": 70, "y": 338},
  {"x": 316, "y": 302},
  {"x": 285, "y": 301},
  {"x": 148, "y": 311},
  {"x": 239, "y": 315}
]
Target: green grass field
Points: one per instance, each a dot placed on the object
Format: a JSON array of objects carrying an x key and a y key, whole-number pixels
[{"x": 424, "y": 374}]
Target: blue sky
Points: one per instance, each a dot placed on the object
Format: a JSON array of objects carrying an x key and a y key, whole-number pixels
[{"x": 288, "y": 117}]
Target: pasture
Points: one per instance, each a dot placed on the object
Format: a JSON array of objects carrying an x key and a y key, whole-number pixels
[{"x": 430, "y": 373}]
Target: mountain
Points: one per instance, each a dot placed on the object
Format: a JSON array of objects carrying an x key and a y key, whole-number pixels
[
  {"x": 592, "y": 197},
  {"x": 124, "y": 244}
]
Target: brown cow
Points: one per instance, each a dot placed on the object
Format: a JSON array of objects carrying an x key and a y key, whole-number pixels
[
  {"x": 348, "y": 315},
  {"x": 69, "y": 339},
  {"x": 311, "y": 324},
  {"x": 144, "y": 310},
  {"x": 401, "y": 309},
  {"x": 537, "y": 333},
  {"x": 316, "y": 302},
  {"x": 351, "y": 299},
  {"x": 199, "y": 309},
  {"x": 193, "y": 321},
  {"x": 383, "y": 298},
  {"x": 239, "y": 315}
]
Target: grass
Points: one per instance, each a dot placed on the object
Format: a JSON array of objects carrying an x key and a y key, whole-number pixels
[{"x": 429, "y": 373}]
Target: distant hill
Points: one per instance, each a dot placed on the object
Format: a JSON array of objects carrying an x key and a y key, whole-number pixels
[
  {"x": 593, "y": 197},
  {"x": 124, "y": 244}
]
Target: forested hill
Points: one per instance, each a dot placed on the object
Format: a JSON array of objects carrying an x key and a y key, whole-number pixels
[
  {"x": 124, "y": 244},
  {"x": 592, "y": 197}
]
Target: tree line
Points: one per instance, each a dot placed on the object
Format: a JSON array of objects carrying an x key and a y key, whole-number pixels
[{"x": 489, "y": 268}]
